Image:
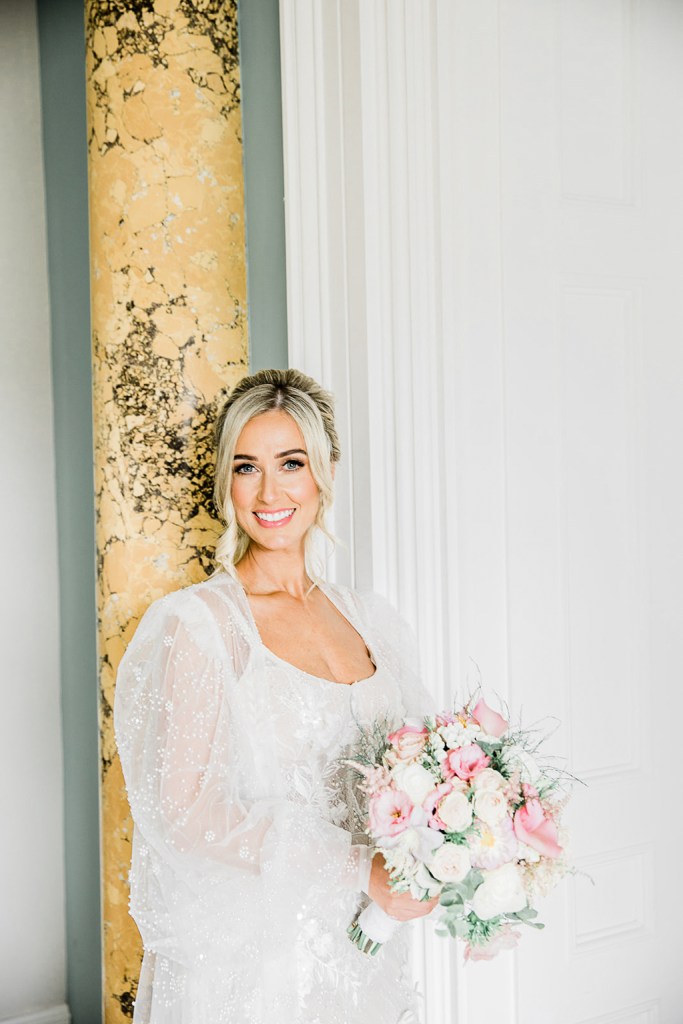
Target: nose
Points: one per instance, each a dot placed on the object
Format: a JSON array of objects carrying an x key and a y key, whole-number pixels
[{"x": 268, "y": 489}]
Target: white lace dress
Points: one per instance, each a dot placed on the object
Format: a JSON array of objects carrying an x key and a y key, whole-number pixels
[{"x": 247, "y": 858}]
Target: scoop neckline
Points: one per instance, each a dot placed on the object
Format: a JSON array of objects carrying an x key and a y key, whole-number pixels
[
  {"x": 319, "y": 679},
  {"x": 327, "y": 590}
]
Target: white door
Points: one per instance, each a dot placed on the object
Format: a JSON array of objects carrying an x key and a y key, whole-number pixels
[
  {"x": 484, "y": 259},
  {"x": 591, "y": 115}
]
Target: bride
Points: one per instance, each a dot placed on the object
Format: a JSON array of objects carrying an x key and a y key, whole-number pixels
[{"x": 236, "y": 702}]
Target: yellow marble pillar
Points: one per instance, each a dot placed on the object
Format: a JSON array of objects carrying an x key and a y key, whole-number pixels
[{"x": 169, "y": 334}]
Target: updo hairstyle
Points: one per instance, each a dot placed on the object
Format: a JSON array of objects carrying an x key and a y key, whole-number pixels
[{"x": 312, "y": 409}]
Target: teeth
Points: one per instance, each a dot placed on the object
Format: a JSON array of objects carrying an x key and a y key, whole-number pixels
[{"x": 274, "y": 517}]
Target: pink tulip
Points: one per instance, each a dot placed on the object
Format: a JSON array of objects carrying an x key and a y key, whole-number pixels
[
  {"x": 491, "y": 722},
  {"x": 465, "y": 762},
  {"x": 390, "y": 813},
  {"x": 536, "y": 830}
]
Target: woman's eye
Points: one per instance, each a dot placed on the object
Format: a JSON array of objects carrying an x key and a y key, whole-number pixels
[
  {"x": 293, "y": 464},
  {"x": 244, "y": 468}
]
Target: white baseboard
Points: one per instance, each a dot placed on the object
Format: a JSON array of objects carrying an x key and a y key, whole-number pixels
[{"x": 53, "y": 1015}]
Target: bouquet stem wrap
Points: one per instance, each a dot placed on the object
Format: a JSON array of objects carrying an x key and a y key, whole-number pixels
[{"x": 372, "y": 928}]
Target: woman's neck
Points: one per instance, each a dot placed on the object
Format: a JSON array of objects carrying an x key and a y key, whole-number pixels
[{"x": 269, "y": 572}]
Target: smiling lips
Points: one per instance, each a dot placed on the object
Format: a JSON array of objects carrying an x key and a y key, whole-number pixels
[{"x": 280, "y": 517}]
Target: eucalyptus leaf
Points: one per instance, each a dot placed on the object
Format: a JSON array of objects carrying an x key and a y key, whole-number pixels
[
  {"x": 471, "y": 884},
  {"x": 450, "y": 898},
  {"x": 491, "y": 747},
  {"x": 525, "y": 914},
  {"x": 451, "y": 901}
]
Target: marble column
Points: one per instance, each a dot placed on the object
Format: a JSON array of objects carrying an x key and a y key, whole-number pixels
[{"x": 168, "y": 284}]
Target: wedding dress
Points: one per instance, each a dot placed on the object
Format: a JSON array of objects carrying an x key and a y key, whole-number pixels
[{"x": 248, "y": 851}]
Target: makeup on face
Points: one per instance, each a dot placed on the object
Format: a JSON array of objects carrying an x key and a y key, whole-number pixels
[{"x": 273, "y": 490}]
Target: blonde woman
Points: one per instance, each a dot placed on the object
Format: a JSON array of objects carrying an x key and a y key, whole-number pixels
[{"x": 236, "y": 702}]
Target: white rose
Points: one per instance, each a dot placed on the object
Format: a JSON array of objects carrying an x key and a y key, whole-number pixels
[
  {"x": 451, "y": 863},
  {"x": 501, "y": 892},
  {"x": 414, "y": 780},
  {"x": 517, "y": 757},
  {"x": 491, "y": 806},
  {"x": 455, "y": 812},
  {"x": 489, "y": 779}
]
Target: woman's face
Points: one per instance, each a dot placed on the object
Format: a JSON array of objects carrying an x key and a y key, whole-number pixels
[{"x": 273, "y": 490}]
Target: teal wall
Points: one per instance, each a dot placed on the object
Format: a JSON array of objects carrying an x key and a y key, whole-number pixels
[
  {"x": 259, "y": 32},
  {"x": 62, "y": 47},
  {"x": 62, "y": 50}
]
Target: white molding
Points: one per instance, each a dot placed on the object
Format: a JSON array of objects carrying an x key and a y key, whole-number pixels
[
  {"x": 405, "y": 424},
  {"x": 637, "y": 1013},
  {"x": 53, "y": 1015},
  {"x": 364, "y": 279},
  {"x": 322, "y": 308}
]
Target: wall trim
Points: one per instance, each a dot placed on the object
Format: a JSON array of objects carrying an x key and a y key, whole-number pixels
[
  {"x": 53, "y": 1015},
  {"x": 322, "y": 143}
]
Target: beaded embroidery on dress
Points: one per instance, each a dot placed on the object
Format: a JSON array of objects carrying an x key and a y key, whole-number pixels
[{"x": 247, "y": 858}]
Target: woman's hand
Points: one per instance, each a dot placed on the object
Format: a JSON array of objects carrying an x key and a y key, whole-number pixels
[{"x": 400, "y": 906}]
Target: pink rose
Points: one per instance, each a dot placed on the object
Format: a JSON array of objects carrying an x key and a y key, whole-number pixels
[
  {"x": 534, "y": 828},
  {"x": 465, "y": 762},
  {"x": 408, "y": 743},
  {"x": 390, "y": 813},
  {"x": 491, "y": 722}
]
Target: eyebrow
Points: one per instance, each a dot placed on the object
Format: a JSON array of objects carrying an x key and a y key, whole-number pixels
[{"x": 280, "y": 455}]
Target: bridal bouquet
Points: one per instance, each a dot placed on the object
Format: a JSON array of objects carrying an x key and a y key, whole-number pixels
[{"x": 461, "y": 806}]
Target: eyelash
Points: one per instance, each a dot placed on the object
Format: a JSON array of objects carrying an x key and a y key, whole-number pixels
[{"x": 249, "y": 465}]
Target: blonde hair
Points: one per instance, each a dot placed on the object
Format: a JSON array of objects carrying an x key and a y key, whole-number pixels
[{"x": 312, "y": 409}]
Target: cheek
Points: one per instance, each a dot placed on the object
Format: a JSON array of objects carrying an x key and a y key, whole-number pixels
[
  {"x": 241, "y": 490},
  {"x": 307, "y": 489}
]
